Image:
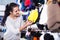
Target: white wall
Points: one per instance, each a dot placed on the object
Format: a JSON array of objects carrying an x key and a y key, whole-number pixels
[{"x": 2, "y": 8}]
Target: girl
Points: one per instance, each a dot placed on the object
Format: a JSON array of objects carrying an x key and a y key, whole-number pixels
[{"x": 13, "y": 22}]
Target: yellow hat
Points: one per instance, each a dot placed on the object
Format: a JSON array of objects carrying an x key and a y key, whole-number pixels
[{"x": 33, "y": 15}]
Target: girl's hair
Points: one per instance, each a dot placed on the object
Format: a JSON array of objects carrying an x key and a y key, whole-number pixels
[{"x": 9, "y": 8}]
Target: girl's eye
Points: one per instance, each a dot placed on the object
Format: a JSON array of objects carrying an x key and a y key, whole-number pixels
[
  {"x": 15, "y": 11},
  {"x": 18, "y": 10}
]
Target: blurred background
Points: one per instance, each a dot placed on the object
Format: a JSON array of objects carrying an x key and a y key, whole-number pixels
[{"x": 48, "y": 22}]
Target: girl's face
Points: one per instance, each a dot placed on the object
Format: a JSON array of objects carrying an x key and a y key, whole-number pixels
[{"x": 15, "y": 11}]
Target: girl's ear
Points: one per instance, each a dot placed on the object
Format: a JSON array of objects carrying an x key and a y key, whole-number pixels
[
  {"x": 10, "y": 12},
  {"x": 58, "y": 0}
]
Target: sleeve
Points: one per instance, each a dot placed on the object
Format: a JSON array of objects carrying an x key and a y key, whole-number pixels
[
  {"x": 11, "y": 27},
  {"x": 22, "y": 21}
]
